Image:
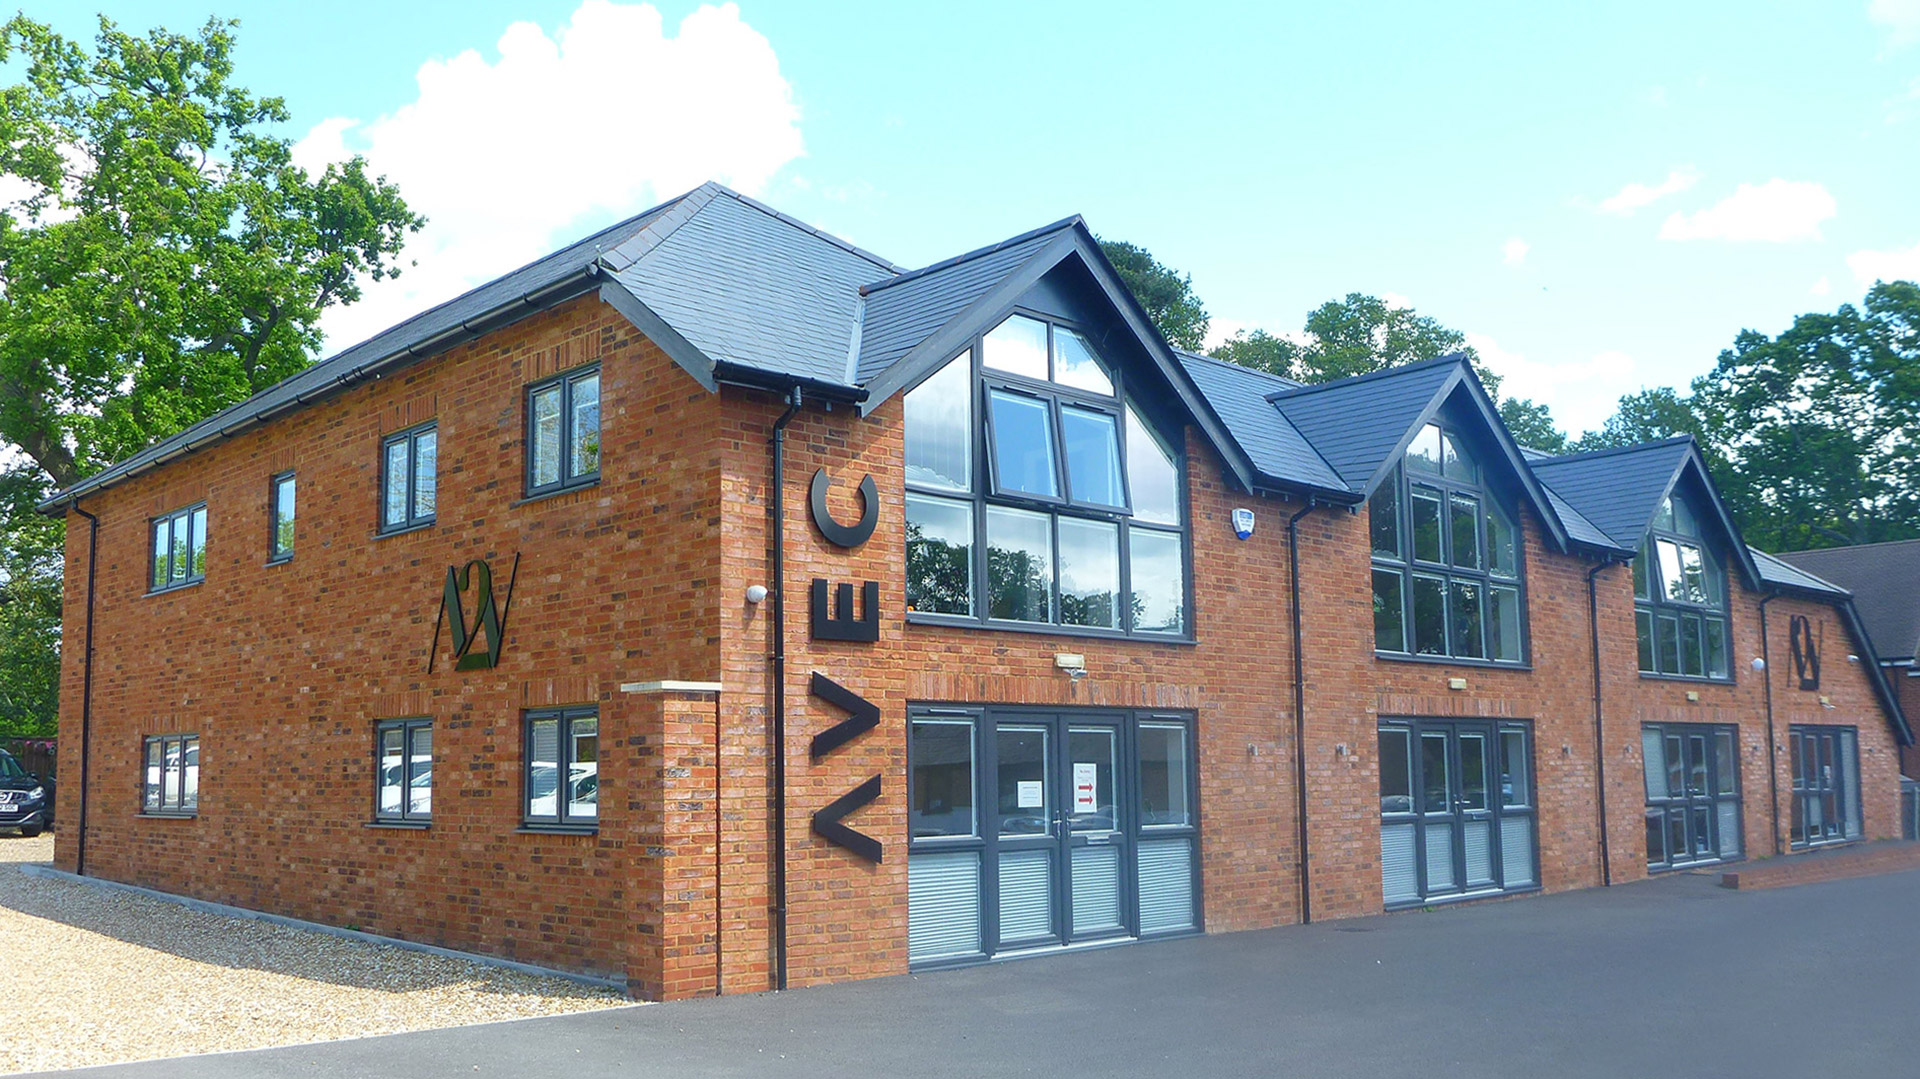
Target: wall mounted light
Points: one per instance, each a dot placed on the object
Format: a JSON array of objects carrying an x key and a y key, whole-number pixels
[
  {"x": 1853, "y": 659},
  {"x": 1759, "y": 664},
  {"x": 756, "y": 593}
]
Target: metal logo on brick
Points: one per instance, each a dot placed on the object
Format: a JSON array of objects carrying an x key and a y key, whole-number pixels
[
  {"x": 489, "y": 619},
  {"x": 1806, "y": 650}
]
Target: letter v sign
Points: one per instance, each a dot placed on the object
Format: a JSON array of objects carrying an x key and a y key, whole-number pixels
[
  {"x": 488, "y": 619},
  {"x": 863, "y": 716}
]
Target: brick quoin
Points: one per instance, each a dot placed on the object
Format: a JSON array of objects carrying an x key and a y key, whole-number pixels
[{"x": 283, "y": 670}]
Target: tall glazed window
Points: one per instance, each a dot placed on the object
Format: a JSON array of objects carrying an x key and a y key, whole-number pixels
[
  {"x": 1446, "y": 558},
  {"x": 1680, "y": 598},
  {"x": 1038, "y": 494}
]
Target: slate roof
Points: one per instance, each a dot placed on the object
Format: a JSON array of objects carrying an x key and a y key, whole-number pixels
[
  {"x": 1617, "y": 490},
  {"x": 750, "y": 287},
  {"x": 1238, "y": 395},
  {"x": 1885, "y": 581},
  {"x": 1357, "y": 424},
  {"x": 903, "y": 311},
  {"x": 423, "y": 334}
]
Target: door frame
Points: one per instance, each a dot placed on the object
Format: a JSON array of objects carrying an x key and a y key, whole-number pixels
[{"x": 1496, "y": 812}]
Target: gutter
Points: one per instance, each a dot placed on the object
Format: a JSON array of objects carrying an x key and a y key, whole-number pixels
[
  {"x": 1300, "y": 713},
  {"x": 776, "y": 512},
  {"x": 1599, "y": 727},
  {"x": 512, "y": 310},
  {"x": 1773, "y": 755},
  {"x": 86, "y": 683}
]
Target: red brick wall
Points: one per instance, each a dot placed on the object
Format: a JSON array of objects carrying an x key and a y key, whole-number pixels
[
  {"x": 1907, "y": 689},
  {"x": 283, "y": 670}
]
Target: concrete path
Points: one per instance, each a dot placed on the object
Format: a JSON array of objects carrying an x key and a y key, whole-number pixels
[{"x": 1674, "y": 976}]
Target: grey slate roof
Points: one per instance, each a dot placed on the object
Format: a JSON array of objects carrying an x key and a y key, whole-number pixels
[
  {"x": 1357, "y": 424},
  {"x": 1238, "y": 395},
  {"x": 905, "y": 310},
  {"x": 420, "y": 335},
  {"x": 1776, "y": 572},
  {"x": 1885, "y": 581},
  {"x": 1617, "y": 490},
  {"x": 751, "y": 287},
  {"x": 1579, "y": 529}
]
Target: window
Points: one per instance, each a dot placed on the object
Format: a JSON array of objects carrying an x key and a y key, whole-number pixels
[
  {"x": 180, "y": 548},
  {"x": 403, "y": 770},
  {"x": 563, "y": 431},
  {"x": 1446, "y": 558},
  {"x": 1680, "y": 599},
  {"x": 408, "y": 467},
  {"x": 1072, "y": 516},
  {"x": 563, "y": 768},
  {"x": 1693, "y": 793},
  {"x": 172, "y": 785},
  {"x": 280, "y": 518},
  {"x": 1826, "y": 784}
]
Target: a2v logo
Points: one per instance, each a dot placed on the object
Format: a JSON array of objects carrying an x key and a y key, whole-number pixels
[{"x": 489, "y": 619}]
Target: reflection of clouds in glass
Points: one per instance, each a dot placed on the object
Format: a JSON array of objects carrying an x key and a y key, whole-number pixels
[
  {"x": 1089, "y": 572},
  {"x": 939, "y": 427}
]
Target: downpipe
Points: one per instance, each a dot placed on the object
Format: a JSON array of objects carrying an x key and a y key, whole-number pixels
[
  {"x": 776, "y": 511},
  {"x": 86, "y": 685},
  {"x": 1773, "y": 755},
  {"x": 1300, "y": 713},
  {"x": 1599, "y": 726}
]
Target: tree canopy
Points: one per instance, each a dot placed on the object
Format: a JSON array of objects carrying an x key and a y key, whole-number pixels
[
  {"x": 1166, "y": 294},
  {"x": 161, "y": 258}
]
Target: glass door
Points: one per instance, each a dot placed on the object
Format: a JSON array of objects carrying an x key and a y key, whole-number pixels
[
  {"x": 1027, "y": 832},
  {"x": 1447, "y": 829},
  {"x": 1063, "y": 853},
  {"x": 1097, "y": 855},
  {"x": 1693, "y": 803},
  {"x": 1826, "y": 774}
]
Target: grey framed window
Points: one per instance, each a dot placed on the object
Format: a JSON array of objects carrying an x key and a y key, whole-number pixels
[
  {"x": 280, "y": 515},
  {"x": 179, "y": 548},
  {"x": 1680, "y": 599},
  {"x": 403, "y": 770},
  {"x": 1693, "y": 793},
  {"x": 1038, "y": 494},
  {"x": 1447, "y": 579},
  {"x": 1826, "y": 784},
  {"x": 562, "y": 777},
  {"x": 171, "y": 785},
  {"x": 563, "y": 431},
  {"x": 409, "y": 469}
]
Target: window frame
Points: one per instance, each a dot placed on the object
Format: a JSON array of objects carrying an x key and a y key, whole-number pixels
[
  {"x": 404, "y": 814},
  {"x": 560, "y": 821},
  {"x": 1656, "y": 607},
  {"x": 568, "y": 481},
  {"x": 1846, "y": 785},
  {"x": 413, "y": 520},
  {"x": 1409, "y": 567},
  {"x": 275, "y": 554},
  {"x": 1686, "y": 802},
  {"x": 985, "y": 490},
  {"x": 153, "y": 799},
  {"x": 168, "y": 581}
]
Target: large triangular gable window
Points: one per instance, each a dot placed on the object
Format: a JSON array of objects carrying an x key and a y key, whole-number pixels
[
  {"x": 1037, "y": 494},
  {"x": 1446, "y": 557},
  {"x": 1680, "y": 597}
]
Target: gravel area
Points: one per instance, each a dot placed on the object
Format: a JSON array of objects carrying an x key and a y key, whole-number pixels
[{"x": 103, "y": 976}]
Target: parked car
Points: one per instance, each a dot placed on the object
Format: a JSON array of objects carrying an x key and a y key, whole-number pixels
[
  {"x": 26, "y": 802},
  {"x": 583, "y": 790}
]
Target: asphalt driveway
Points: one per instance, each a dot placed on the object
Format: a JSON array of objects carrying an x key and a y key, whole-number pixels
[{"x": 1670, "y": 977}]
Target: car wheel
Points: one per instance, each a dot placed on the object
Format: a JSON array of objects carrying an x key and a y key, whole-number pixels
[{"x": 29, "y": 831}]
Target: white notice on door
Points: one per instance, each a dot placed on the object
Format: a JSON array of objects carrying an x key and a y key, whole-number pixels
[
  {"x": 1086, "y": 775},
  {"x": 1029, "y": 793}
]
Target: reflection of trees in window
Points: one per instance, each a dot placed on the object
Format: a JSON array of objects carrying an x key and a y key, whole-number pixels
[
  {"x": 1019, "y": 585},
  {"x": 1680, "y": 598},
  {"x": 939, "y": 578}
]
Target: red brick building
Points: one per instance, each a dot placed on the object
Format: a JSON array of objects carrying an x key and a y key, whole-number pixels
[{"x": 718, "y": 606}]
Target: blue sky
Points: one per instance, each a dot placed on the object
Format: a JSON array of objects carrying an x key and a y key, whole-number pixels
[{"x": 1601, "y": 195}]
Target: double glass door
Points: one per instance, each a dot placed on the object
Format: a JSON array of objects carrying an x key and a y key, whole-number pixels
[
  {"x": 1456, "y": 809},
  {"x": 1063, "y": 861},
  {"x": 1826, "y": 784},
  {"x": 1693, "y": 793}
]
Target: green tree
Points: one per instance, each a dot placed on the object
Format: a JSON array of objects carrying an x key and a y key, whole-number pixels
[
  {"x": 1532, "y": 425},
  {"x": 1647, "y": 416},
  {"x": 168, "y": 259},
  {"x": 1819, "y": 427},
  {"x": 163, "y": 260},
  {"x": 1166, "y": 294},
  {"x": 1261, "y": 351},
  {"x": 1360, "y": 334}
]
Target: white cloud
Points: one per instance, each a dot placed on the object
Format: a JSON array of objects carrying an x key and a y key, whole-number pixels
[
  {"x": 1871, "y": 266},
  {"x": 1633, "y": 196},
  {"x": 1777, "y": 211},
  {"x": 1514, "y": 251},
  {"x": 1396, "y": 302},
  {"x": 1580, "y": 393},
  {"x": 1900, "y": 17},
  {"x": 1822, "y": 286},
  {"x": 510, "y": 157}
]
